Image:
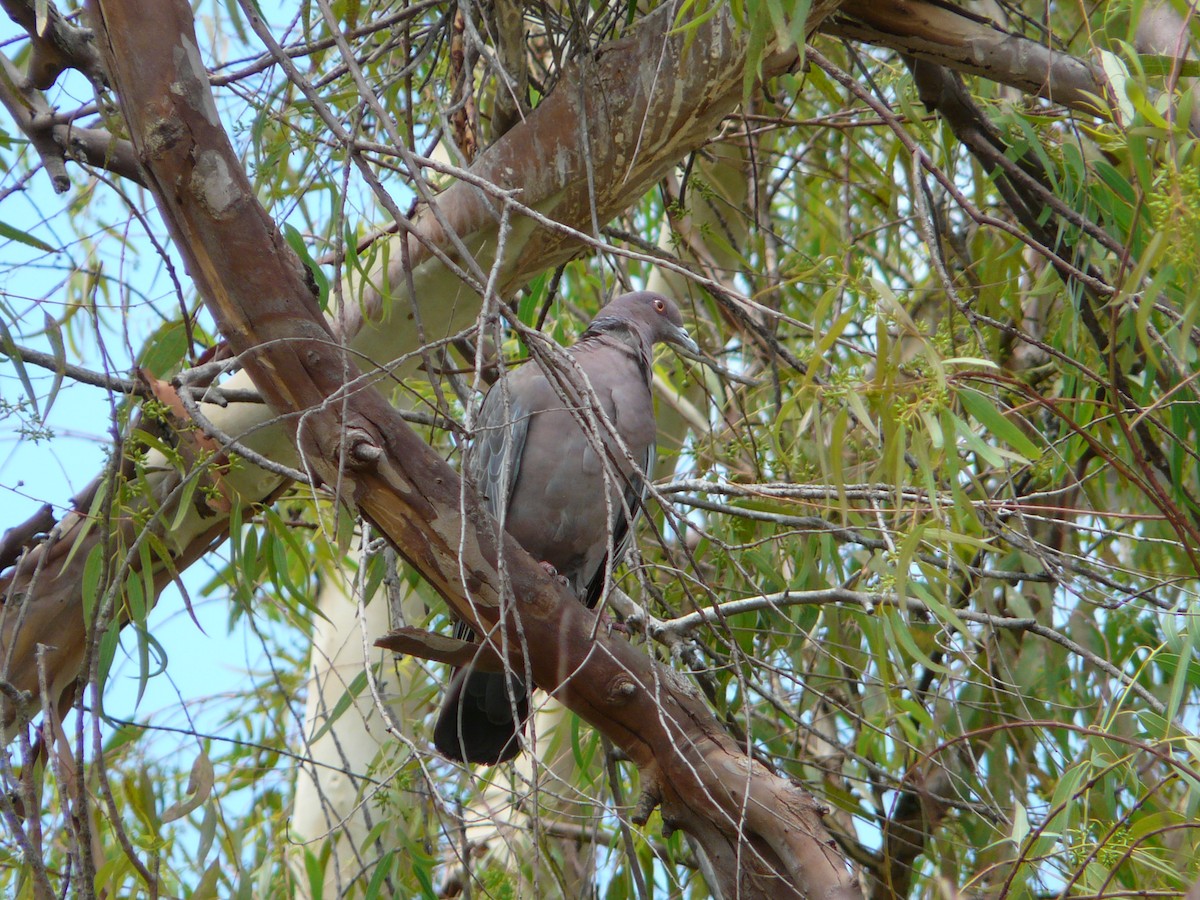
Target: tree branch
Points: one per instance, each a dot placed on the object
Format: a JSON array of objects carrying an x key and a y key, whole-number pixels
[
  {"x": 869, "y": 600},
  {"x": 951, "y": 36},
  {"x": 56, "y": 141},
  {"x": 57, "y": 43}
]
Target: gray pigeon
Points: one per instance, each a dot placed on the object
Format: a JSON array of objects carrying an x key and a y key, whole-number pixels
[{"x": 532, "y": 460}]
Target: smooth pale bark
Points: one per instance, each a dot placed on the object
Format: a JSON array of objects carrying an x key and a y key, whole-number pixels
[
  {"x": 1163, "y": 31},
  {"x": 761, "y": 834},
  {"x": 333, "y": 801}
]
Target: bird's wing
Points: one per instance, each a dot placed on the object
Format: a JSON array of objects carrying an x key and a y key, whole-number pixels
[
  {"x": 624, "y": 517},
  {"x": 618, "y": 365},
  {"x": 493, "y": 460}
]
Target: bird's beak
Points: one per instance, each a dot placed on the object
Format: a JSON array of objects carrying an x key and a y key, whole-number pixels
[{"x": 680, "y": 338}]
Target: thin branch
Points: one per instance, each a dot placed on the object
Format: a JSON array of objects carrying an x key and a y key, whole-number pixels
[
  {"x": 870, "y": 600},
  {"x": 55, "y": 141}
]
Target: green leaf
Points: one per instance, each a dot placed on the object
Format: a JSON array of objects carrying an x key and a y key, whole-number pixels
[
  {"x": 9, "y": 348},
  {"x": 199, "y": 788},
  {"x": 344, "y": 702},
  {"x": 108, "y": 651},
  {"x": 314, "y": 868},
  {"x": 1179, "y": 682},
  {"x": 54, "y": 335},
  {"x": 425, "y": 879},
  {"x": 984, "y": 411},
  {"x": 21, "y": 237},
  {"x": 899, "y": 629},
  {"x": 165, "y": 350},
  {"x": 296, "y": 241},
  {"x": 183, "y": 506},
  {"x": 756, "y": 46},
  {"x": 1020, "y": 828},
  {"x": 206, "y": 887},
  {"x": 382, "y": 869},
  {"x": 989, "y": 454},
  {"x": 90, "y": 587},
  {"x": 1118, "y": 76},
  {"x": 531, "y": 300},
  {"x": 938, "y": 607}
]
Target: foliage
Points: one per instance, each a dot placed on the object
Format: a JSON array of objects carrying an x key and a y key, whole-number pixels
[{"x": 994, "y": 465}]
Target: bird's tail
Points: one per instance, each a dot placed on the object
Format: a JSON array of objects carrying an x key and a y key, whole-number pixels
[{"x": 476, "y": 723}]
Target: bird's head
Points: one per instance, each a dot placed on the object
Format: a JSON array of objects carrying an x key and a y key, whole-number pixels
[{"x": 655, "y": 316}]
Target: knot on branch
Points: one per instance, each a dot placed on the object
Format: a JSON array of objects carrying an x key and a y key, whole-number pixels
[
  {"x": 21, "y": 706},
  {"x": 648, "y": 801},
  {"x": 362, "y": 450},
  {"x": 17, "y": 539},
  {"x": 162, "y": 134},
  {"x": 801, "y": 799},
  {"x": 66, "y": 46},
  {"x": 621, "y": 690},
  {"x": 56, "y": 44},
  {"x": 439, "y": 648}
]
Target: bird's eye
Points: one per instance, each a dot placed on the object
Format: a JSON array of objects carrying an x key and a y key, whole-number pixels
[{"x": 659, "y": 305}]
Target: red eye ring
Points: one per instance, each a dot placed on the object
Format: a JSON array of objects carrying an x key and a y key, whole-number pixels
[{"x": 659, "y": 305}]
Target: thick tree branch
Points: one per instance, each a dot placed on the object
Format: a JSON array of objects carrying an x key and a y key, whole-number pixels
[{"x": 948, "y": 35}]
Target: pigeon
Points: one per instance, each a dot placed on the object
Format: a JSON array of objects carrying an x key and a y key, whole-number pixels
[{"x": 537, "y": 469}]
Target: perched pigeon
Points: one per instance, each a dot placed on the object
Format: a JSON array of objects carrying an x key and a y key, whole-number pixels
[{"x": 532, "y": 460}]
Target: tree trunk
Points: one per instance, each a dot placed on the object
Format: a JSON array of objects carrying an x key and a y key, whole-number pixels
[{"x": 333, "y": 800}]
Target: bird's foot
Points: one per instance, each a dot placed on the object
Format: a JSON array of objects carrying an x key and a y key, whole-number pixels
[
  {"x": 553, "y": 573},
  {"x": 609, "y": 624}
]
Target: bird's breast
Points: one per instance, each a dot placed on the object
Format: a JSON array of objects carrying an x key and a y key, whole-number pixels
[{"x": 557, "y": 509}]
